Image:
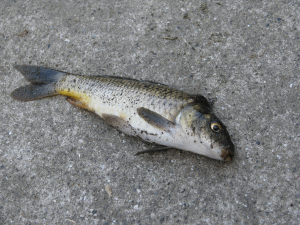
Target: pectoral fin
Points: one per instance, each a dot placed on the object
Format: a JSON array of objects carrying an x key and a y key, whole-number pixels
[
  {"x": 156, "y": 120},
  {"x": 153, "y": 150}
]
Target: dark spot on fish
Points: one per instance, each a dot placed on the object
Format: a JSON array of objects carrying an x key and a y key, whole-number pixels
[{"x": 211, "y": 146}]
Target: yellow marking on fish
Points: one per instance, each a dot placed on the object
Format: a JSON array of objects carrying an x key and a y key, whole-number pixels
[
  {"x": 83, "y": 98},
  {"x": 122, "y": 116}
]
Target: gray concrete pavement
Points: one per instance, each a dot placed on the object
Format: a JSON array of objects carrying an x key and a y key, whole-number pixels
[{"x": 63, "y": 165}]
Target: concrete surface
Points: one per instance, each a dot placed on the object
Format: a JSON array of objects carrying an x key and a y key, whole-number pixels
[{"x": 63, "y": 165}]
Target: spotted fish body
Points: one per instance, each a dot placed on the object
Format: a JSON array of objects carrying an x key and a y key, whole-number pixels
[
  {"x": 154, "y": 112},
  {"x": 120, "y": 98}
]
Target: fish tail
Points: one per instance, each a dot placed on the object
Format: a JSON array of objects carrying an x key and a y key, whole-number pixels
[{"x": 43, "y": 83}]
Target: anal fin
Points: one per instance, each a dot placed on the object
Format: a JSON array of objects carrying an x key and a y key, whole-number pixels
[{"x": 77, "y": 102}]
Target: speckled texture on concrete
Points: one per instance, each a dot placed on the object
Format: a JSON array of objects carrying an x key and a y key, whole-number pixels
[{"x": 61, "y": 164}]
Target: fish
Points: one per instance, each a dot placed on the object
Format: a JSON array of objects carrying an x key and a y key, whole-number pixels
[{"x": 154, "y": 112}]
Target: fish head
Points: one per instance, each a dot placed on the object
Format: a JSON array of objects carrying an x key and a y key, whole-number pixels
[{"x": 204, "y": 133}]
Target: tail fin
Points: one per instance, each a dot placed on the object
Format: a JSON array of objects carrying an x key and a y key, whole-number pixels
[{"x": 42, "y": 79}]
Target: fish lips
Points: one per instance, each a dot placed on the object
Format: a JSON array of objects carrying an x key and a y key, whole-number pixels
[{"x": 227, "y": 152}]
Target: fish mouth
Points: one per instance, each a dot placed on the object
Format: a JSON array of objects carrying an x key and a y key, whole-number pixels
[{"x": 227, "y": 153}]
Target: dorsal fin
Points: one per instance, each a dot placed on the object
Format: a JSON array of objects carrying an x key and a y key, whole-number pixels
[{"x": 199, "y": 99}]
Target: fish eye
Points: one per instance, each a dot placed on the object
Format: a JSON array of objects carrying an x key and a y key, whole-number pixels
[{"x": 216, "y": 127}]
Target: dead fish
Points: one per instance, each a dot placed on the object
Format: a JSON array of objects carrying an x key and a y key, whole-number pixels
[{"x": 154, "y": 112}]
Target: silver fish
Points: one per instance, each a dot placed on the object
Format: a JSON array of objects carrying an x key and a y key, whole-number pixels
[{"x": 154, "y": 112}]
